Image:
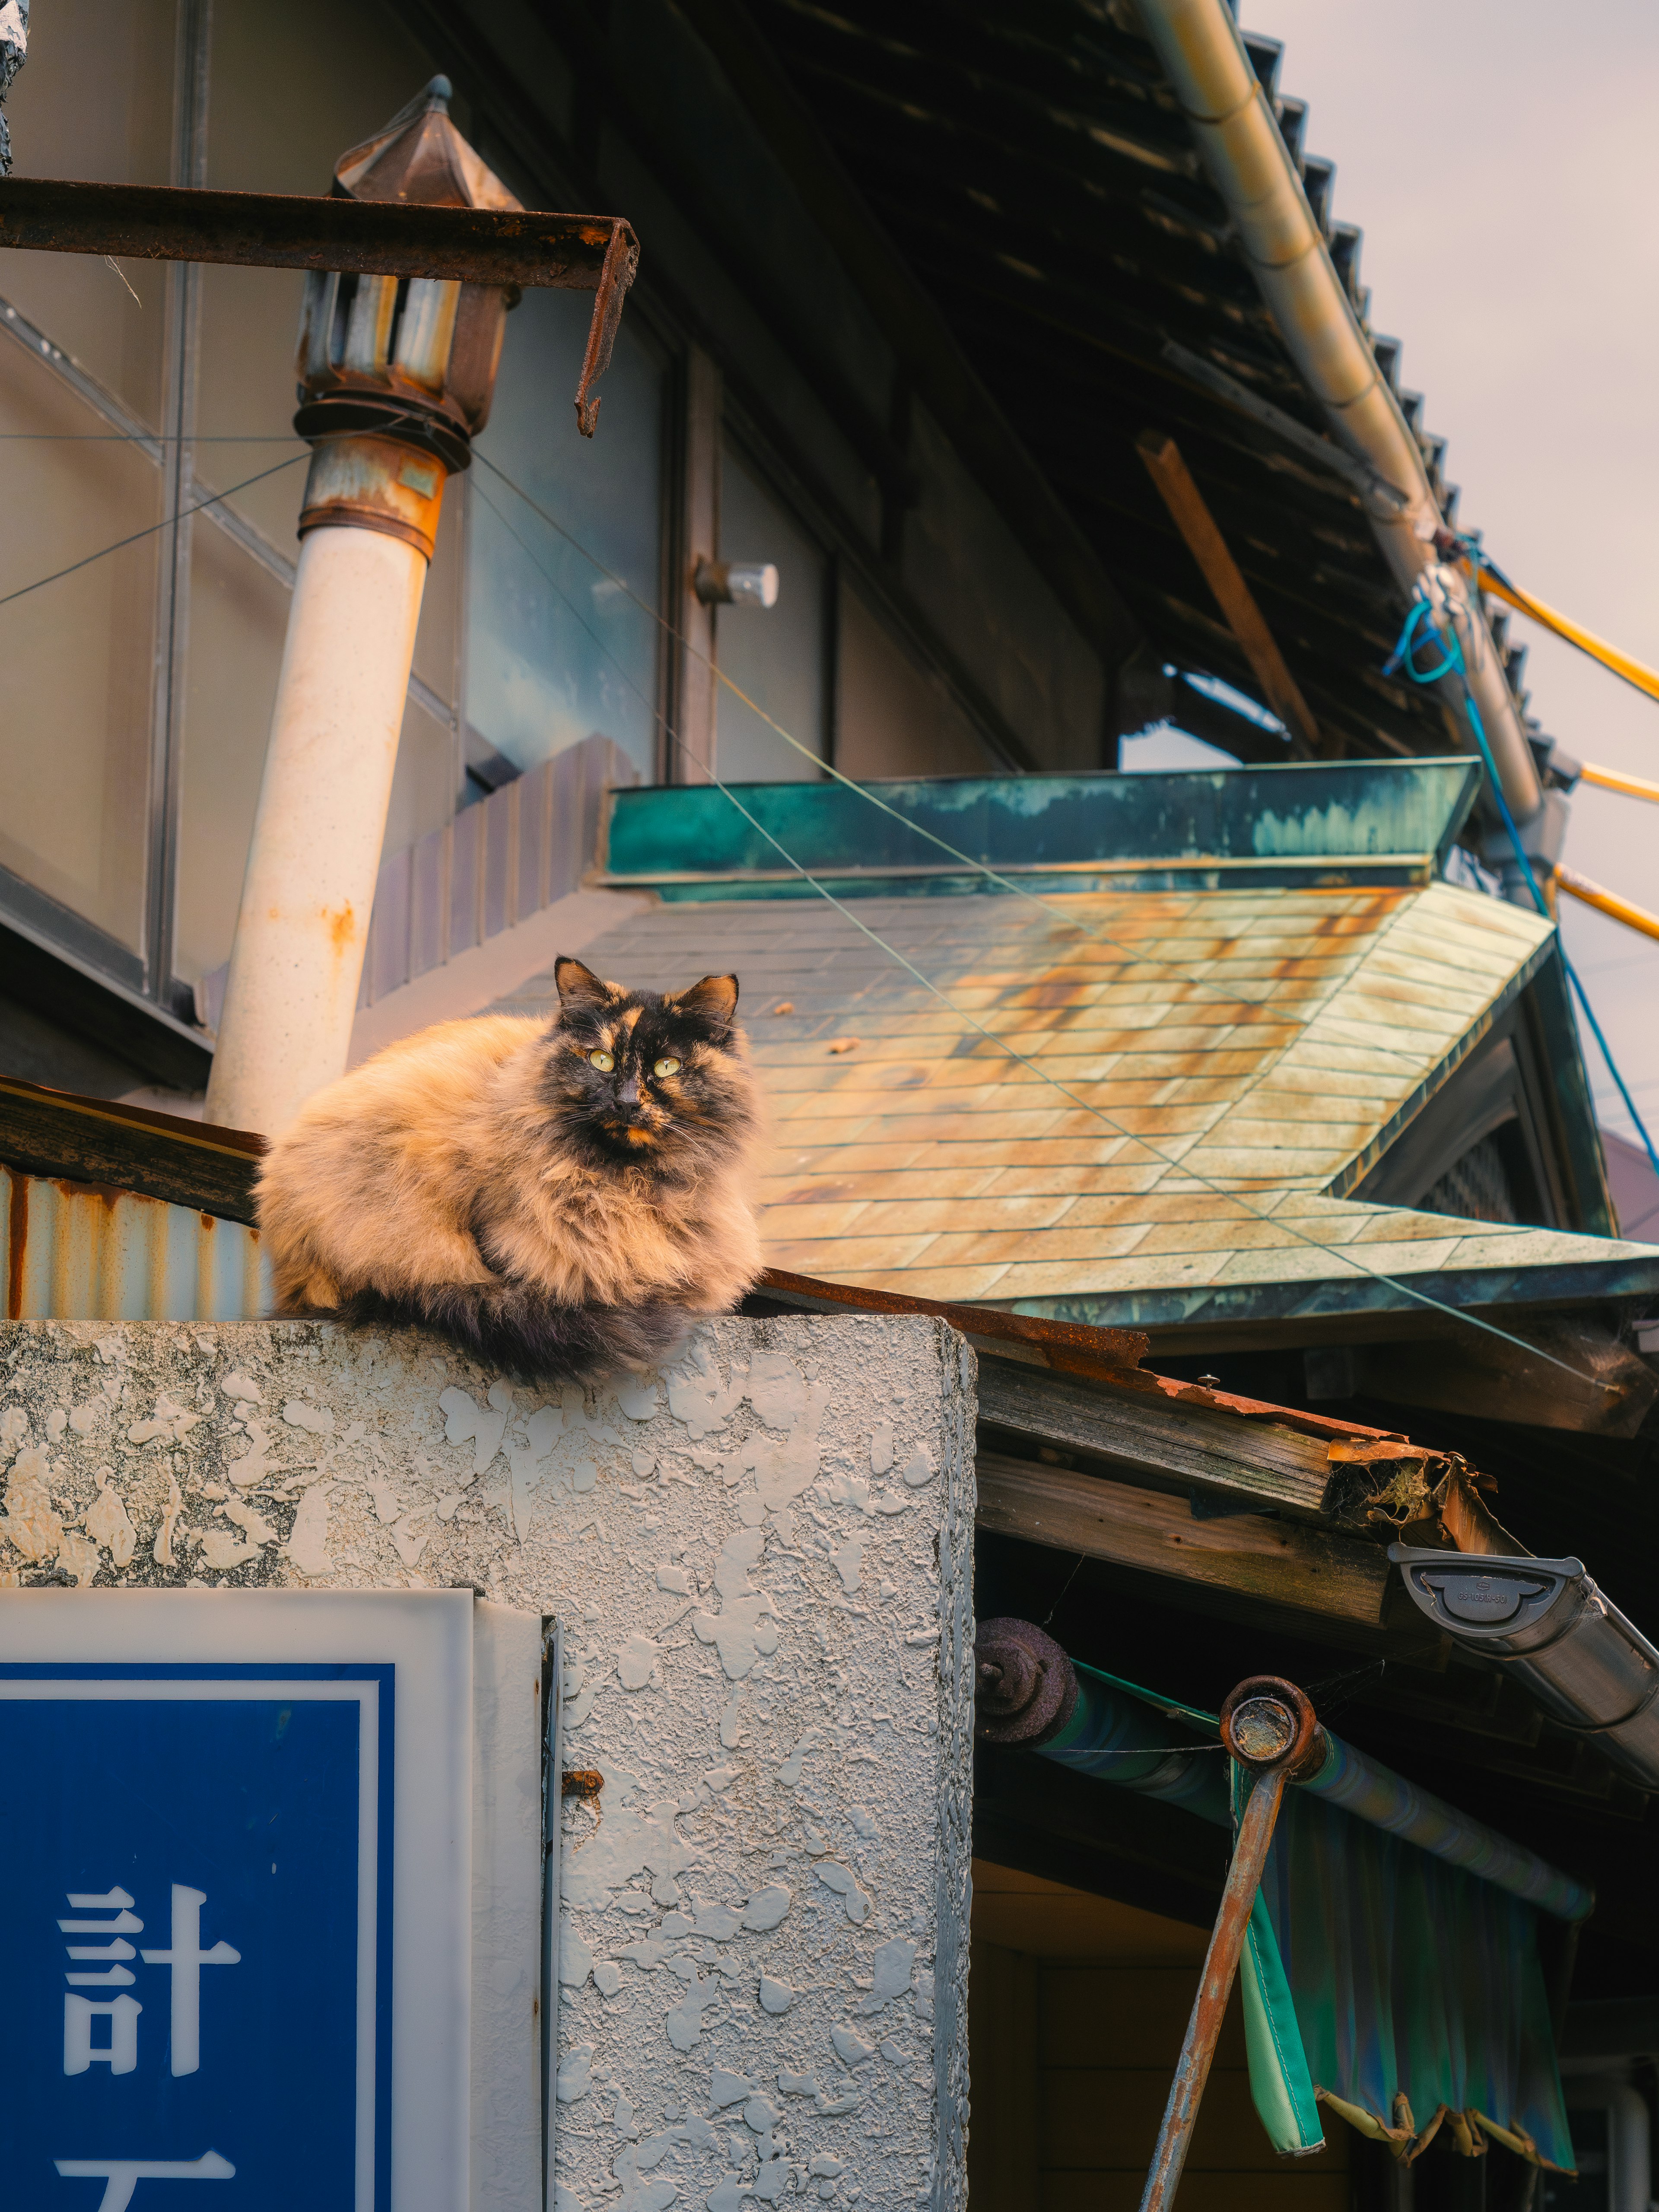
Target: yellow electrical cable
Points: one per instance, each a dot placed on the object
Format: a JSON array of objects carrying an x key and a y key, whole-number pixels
[
  {"x": 1621, "y": 664},
  {"x": 1611, "y": 779},
  {"x": 1606, "y": 901}
]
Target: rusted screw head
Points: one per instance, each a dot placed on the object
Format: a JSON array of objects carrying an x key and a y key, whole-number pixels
[
  {"x": 1024, "y": 1688},
  {"x": 1268, "y": 1723}
]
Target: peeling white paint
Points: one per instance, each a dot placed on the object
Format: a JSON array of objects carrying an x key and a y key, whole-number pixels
[
  {"x": 316, "y": 1418},
  {"x": 636, "y": 1663},
  {"x": 108, "y": 1525},
  {"x": 845, "y": 1884},
  {"x": 307, "y": 1543}
]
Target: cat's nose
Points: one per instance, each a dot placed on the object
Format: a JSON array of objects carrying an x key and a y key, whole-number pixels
[{"x": 630, "y": 1093}]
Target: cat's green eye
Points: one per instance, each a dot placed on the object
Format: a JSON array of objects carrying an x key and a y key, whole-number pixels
[
  {"x": 602, "y": 1060},
  {"x": 666, "y": 1068}
]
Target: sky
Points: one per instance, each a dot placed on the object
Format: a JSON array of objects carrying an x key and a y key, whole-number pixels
[{"x": 1502, "y": 162}]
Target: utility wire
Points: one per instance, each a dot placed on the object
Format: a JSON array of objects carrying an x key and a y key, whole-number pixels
[
  {"x": 1172, "y": 1160},
  {"x": 1043, "y": 1075},
  {"x": 1452, "y": 662},
  {"x": 1137, "y": 954},
  {"x": 144, "y": 438},
  {"x": 149, "y": 530}
]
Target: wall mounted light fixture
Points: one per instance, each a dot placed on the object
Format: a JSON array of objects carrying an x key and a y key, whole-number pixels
[{"x": 736, "y": 583}]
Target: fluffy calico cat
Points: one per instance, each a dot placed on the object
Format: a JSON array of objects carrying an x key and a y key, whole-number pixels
[{"x": 556, "y": 1200}]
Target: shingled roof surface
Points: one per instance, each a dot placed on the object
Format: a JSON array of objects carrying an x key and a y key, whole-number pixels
[
  {"x": 1232, "y": 1062},
  {"x": 1033, "y": 169}
]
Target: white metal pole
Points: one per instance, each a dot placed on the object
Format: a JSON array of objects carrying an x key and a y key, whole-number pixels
[{"x": 309, "y": 889}]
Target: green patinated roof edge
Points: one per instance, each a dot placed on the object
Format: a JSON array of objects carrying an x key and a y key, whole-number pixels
[{"x": 1346, "y": 814}]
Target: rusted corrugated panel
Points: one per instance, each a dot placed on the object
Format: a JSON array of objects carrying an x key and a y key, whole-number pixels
[{"x": 77, "y": 1251}]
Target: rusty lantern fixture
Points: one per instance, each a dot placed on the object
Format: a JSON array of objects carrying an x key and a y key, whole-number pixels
[{"x": 396, "y": 373}]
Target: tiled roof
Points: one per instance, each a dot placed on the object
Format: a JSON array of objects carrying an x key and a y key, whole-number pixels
[{"x": 1233, "y": 1062}]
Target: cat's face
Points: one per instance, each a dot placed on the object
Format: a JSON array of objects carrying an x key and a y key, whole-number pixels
[{"x": 644, "y": 1080}]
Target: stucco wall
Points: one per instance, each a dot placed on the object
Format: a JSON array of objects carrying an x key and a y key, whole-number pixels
[{"x": 761, "y": 1562}]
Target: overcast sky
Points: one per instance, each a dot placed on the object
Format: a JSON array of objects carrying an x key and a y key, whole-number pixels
[{"x": 1502, "y": 162}]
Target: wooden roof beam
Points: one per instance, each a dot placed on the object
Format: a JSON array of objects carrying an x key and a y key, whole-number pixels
[
  {"x": 1193, "y": 518},
  {"x": 1329, "y": 1580}
]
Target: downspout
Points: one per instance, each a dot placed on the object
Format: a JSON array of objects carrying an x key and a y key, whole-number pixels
[{"x": 1250, "y": 165}]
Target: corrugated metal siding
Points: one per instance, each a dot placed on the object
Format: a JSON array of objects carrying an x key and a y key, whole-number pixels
[
  {"x": 493, "y": 866},
  {"x": 74, "y": 1251}
]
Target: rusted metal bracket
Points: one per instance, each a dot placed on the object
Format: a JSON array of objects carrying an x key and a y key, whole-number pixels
[
  {"x": 379, "y": 238},
  {"x": 1268, "y": 1726},
  {"x": 1024, "y": 1684}
]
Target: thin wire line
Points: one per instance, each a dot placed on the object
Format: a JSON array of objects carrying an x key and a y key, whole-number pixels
[
  {"x": 1135, "y": 954},
  {"x": 144, "y": 438},
  {"x": 1393, "y": 1282},
  {"x": 214, "y": 499},
  {"x": 1451, "y": 646},
  {"x": 1139, "y": 1751},
  {"x": 1064, "y": 1587},
  {"x": 149, "y": 530},
  {"x": 1270, "y": 1063}
]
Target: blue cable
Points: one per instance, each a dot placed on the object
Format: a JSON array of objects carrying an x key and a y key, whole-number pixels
[{"x": 1452, "y": 664}]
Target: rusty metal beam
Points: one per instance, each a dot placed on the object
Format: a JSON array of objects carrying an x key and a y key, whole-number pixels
[
  {"x": 269, "y": 230},
  {"x": 1204, "y": 542}
]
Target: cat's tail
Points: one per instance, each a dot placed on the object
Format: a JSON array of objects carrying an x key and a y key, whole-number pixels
[{"x": 505, "y": 1325}]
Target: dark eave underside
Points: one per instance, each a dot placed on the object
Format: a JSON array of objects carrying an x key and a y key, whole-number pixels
[{"x": 1034, "y": 171}]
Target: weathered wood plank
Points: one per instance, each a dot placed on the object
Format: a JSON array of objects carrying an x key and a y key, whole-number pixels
[
  {"x": 1292, "y": 1568},
  {"x": 1248, "y": 1460},
  {"x": 98, "y": 1140}
]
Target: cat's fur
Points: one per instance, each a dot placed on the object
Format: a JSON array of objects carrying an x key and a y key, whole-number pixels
[{"x": 484, "y": 1180}]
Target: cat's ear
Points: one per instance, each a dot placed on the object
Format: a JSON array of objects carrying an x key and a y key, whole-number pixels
[
  {"x": 715, "y": 997},
  {"x": 580, "y": 990}
]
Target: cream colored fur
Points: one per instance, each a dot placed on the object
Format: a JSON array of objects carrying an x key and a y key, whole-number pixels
[{"x": 379, "y": 1183}]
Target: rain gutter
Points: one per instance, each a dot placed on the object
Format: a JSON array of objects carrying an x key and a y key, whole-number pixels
[{"x": 1247, "y": 162}]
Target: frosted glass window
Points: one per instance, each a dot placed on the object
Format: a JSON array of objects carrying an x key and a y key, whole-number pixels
[
  {"x": 774, "y": 655},
  {"x": 95, "y": 101},
  {"x": 557, "y": 649},
  {"x": 77, "y": 657}
]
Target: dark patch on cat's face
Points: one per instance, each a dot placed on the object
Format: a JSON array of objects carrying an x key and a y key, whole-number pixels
[{"x": 641, "y": 1078}]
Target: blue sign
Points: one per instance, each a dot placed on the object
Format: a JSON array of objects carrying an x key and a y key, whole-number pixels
[{"x": 195, "y": 1987}]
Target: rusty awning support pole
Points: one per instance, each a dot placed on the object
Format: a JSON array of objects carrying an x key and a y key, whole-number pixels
[{"x": 1268, "y": 1726}]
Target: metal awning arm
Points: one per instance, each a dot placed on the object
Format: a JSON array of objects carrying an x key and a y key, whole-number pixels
[
  {"x": 378, "y": 238},
  {"x": 1268, "y": 1726}
]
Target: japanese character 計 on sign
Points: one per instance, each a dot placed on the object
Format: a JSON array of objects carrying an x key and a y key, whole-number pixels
[{"x": 185, "y": 1958}]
